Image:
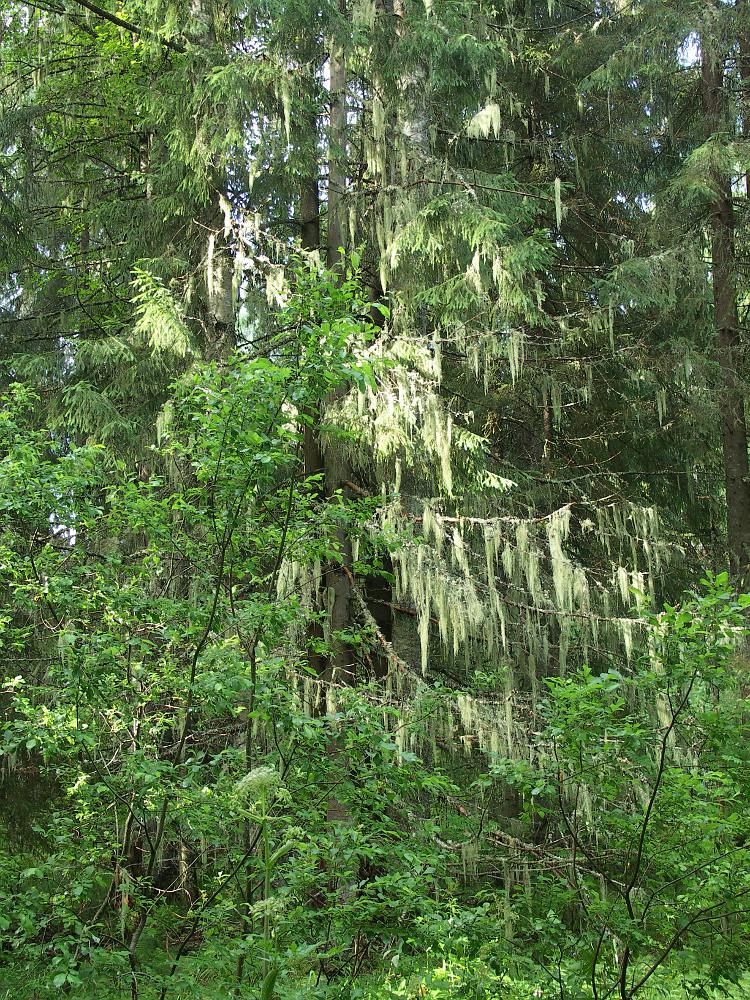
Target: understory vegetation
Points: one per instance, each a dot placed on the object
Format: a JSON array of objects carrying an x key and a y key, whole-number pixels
[{"x": 374, "y": 500}]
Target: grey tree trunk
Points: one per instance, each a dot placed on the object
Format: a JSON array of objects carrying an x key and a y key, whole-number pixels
[{"x": 218, "y": 315}]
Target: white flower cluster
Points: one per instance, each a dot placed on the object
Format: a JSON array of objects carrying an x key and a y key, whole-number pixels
[{"x": 261, "y": 781}]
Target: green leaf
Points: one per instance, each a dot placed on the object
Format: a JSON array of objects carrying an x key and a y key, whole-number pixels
[{"x": 269, "y": 983}]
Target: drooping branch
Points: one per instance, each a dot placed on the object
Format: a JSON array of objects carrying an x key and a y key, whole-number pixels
[
  {"x": 369, "y": 620},
  {"x": 127, "y": 25}
]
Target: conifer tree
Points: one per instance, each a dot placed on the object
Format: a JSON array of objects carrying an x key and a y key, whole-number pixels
[{"x": 439, "y": 495}]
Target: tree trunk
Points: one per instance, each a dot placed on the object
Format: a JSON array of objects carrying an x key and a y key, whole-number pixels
[
  {"x": 310, "y": 213},
  {"x": 337, "y": 149},
  {"x": 312, "y": 454},
  {"x": 724, "y": 270},
  {"x": 341, "y": 667},
  {"x": 218, "y": 318},
  {"x": 743, "y": 66}
]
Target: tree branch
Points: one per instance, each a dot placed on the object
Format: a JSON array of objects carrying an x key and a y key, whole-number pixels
[{"x": 128, "y": 25}]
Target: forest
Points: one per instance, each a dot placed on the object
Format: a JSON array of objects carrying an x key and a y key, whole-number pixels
[{"x": 374, "y": 499}]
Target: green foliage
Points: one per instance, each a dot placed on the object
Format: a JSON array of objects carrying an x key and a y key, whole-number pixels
[
  {"x": 345, "y": 645},
  {"x": 644, "y": 775},
  {"x": 152, "y": 607}
]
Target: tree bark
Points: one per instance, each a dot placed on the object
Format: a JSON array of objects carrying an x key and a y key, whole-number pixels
[
  {"x": 743, "y": 66},
  {"x": 218, "y": 319},
  {"x": 337, "y": 149},
  {"x": 724, "y": 272},
  {"x": 312, "y": 454},
  {"x": 341, "y": 666}
]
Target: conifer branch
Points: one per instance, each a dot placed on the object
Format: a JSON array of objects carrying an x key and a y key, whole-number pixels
[
  {"x": 127, "y": 25},
  {"x": 403, "y": 666}
]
